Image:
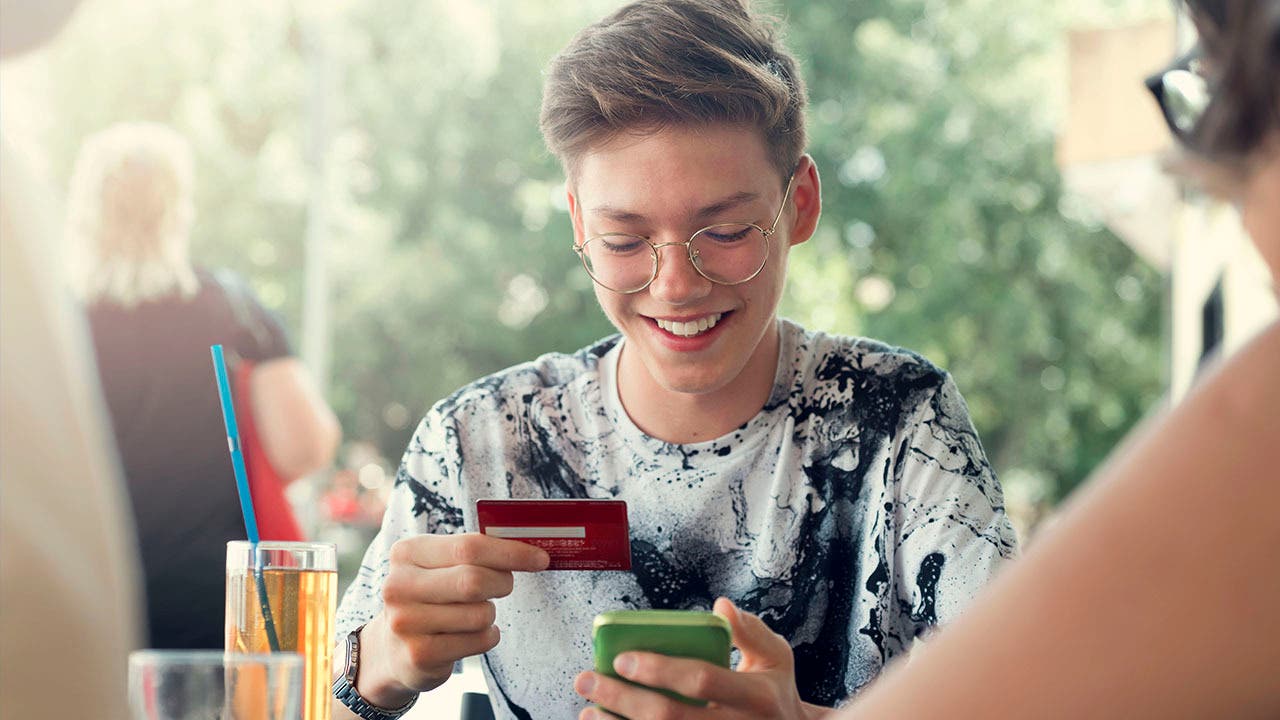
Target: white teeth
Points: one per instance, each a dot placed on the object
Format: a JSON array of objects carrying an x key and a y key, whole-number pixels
[{"x": 689, "y": 329}]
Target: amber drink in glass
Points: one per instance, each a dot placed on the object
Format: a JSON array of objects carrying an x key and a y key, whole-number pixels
[{"x": 300, "y": 583}]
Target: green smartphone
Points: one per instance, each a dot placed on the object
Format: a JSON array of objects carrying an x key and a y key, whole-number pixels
[{"x": 678, "y": 633}]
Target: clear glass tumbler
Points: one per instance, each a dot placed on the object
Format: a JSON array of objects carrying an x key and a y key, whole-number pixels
[{"x": 213, "y": 685}]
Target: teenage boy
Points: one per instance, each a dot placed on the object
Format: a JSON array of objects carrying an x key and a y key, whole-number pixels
[{"x": 831, "y": 488}]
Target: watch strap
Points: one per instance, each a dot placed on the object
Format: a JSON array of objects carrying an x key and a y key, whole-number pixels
[
  {"x": 350, "y": 697},
  {"x": 344, "y": 687}
]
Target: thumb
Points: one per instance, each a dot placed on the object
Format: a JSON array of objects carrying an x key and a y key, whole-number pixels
[{"x": 762, "y": 649}]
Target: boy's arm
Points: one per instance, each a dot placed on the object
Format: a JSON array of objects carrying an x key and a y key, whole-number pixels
[
  {"x": 425, "y": 589},
  {"x": 951, "y": 532},
  {"x": 421, "y": 502},
  {"x": 416, "y": 506}
]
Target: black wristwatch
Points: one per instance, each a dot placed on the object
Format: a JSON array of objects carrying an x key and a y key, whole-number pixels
[{"x": 344, "y": 686}]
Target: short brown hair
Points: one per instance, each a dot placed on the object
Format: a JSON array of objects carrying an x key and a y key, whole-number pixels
[{"x": 656, "y": 63}]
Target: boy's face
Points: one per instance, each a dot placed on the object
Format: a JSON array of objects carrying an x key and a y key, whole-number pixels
[{"x": 665, "y": 186}]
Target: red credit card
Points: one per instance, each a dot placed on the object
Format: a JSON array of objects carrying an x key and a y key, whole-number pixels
[{"x": 577, "y": 534}]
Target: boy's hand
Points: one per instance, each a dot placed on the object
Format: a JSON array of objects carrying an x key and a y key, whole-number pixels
[
  {"x": 763, "y": 686},
  {"x": 437, "y": 610}
]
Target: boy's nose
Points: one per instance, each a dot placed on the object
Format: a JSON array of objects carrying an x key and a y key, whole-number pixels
[{"x": 677, "y": 281}]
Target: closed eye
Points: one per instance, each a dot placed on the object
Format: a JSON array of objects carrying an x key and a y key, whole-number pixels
[
  {"x": 621, "y": 244},
  {"x": 728, "y": 234}
]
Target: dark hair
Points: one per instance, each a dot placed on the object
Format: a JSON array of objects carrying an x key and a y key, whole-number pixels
[
  {"x": 656, "y": 63},
  {"x": 1241, "y": 42}
]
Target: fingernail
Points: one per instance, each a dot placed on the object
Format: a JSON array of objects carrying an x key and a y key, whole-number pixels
[
  {"x": 624, "y": 664},
  {"x": 586, "y": 684},
  {"x": 731, "y": 614},
  {"x": 543, "y": 560},
  {"x": 591, "y": 714}
]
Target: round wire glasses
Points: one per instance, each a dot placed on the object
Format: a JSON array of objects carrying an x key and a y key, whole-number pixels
[{"x": 724, "y": 253}]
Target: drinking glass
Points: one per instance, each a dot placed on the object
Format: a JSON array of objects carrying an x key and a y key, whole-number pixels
[
  {"x": 297, "y": 582},
  {"x": 213, "y": 685}
]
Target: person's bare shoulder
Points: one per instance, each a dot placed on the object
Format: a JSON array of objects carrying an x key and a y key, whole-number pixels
[{"x": 1244, "y": 388}]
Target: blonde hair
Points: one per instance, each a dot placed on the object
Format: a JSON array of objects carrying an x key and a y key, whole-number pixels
[{"x": 129, "y": 213}]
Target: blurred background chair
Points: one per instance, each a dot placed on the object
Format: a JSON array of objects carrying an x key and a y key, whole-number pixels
[{"x": 475, "y": 706}]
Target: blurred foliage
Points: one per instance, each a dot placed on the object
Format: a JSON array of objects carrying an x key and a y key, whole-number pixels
[
  {"x": 946, "y": 227},
  {"x": 947, "y": 230}
]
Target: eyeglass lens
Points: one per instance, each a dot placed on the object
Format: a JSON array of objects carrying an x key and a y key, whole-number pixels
[{"x": 725, "y": 254}]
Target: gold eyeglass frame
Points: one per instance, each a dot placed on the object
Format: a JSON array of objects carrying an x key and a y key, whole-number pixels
[{"x": 688, "y": 247}]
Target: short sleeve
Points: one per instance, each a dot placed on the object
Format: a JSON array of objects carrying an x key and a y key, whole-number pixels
[
  {"x": 423, "y": 500},
  {"x": 259, "y": 334},
  {"x": 952, "y": 532}
]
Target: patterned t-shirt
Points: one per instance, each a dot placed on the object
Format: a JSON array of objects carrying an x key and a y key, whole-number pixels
[{"x": 852, "y": 513}]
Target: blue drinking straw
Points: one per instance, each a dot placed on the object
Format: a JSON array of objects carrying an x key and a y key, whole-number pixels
[{"x": 242, "y": 484}]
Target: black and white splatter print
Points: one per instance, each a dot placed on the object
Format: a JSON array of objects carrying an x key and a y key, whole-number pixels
[{"x": 853, "y": 513}]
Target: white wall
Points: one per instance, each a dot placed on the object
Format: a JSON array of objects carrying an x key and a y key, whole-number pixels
[{"x": 1208, "y": 241}]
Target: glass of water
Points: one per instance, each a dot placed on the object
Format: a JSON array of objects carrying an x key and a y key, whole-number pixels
[{"x": 214, "y": 685}]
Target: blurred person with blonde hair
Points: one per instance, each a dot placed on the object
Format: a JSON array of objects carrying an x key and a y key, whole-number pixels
[
  {"x": 1157, "y": 592},
  {"x": 153, "y": 316}
]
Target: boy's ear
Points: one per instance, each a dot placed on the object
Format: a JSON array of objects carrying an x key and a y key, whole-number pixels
[
  {"x": 574, "y": 216},
  {"x": 806, "y": 194}
]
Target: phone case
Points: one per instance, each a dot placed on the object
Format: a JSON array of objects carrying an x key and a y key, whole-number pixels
[{"x": 678, "y": 633}]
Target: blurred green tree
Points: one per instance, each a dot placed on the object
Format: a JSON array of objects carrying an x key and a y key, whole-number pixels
[{"x": 946, "y": 227}]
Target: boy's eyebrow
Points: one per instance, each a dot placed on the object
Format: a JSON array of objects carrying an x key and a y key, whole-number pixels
[{"x": 618, "y": 214}]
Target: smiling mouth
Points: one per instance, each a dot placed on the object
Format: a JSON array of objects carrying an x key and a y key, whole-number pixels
[{"x": 691, "y": 328}]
